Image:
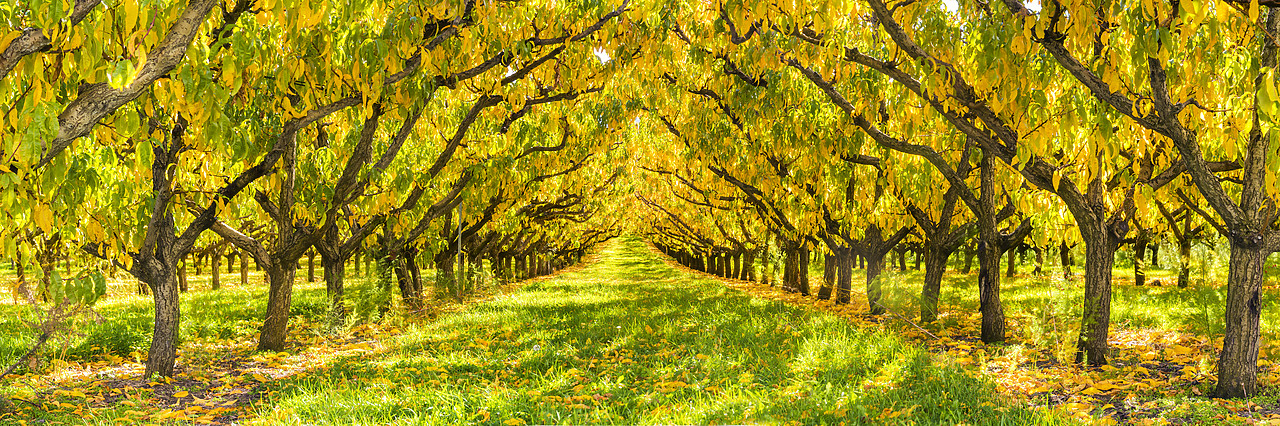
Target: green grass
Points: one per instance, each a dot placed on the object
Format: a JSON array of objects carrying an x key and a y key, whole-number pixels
[
  {"x": 1045, "y": 310},
  {"x": 124, "y": 326},
  {"x": 630, "y": 340}
]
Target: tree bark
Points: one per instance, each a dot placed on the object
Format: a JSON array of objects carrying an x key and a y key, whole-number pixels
[
  {"x": 935, "y": 265},
  {"x": 244, "y": 268},
  {"x": 311, "y": 267},
  {"x": 828, "y": 276},
  {"x": 182, "y": 276},
  {"x": 1238, "y": 362},
  {"x": 164, "y": 335},
  {"x": 1139, "y": 257},
  {"x": 989, "y": 292},
  {"x": 1184, "y": 262},
  {"x": 415, "y": 277},
  {"x": 803, "y": 278},
  {"x": 1012, "y": 264},
  {"x": 874, "y": 264},
  {"x": 279, "y": 304},
  {"x": 215, "y": 261},
  {"x": 1095, "y": 322},
  {"x": 968, "y": 258},
  {"x": 1064, "y": 255},
  {"x": 791, "y": 268},
  {"x": 844, "y": 274},
  {"x": 334, "y": 276}
]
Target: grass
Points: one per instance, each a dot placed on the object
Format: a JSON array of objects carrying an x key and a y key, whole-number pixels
[
  {"x": 627, "y": 338},
  {"x": 631, "y": 340}
]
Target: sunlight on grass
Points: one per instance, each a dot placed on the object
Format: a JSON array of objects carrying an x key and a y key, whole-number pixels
[{"x": 631, "y": 340}]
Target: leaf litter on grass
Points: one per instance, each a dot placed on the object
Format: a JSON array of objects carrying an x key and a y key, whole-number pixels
[{"x": 1156, "y": 376}]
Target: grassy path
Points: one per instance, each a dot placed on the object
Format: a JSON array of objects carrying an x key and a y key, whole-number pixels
[{"x": 627, "y": 339}]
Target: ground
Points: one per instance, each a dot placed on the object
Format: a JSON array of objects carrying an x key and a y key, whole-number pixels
[{"x": 630, "y": 337}]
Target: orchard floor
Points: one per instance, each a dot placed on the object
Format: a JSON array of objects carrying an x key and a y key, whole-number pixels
[{"x": 630, "y": 338}]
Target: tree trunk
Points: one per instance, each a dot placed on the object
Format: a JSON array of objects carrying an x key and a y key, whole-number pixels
[
  {"x": 1139, "y": 257},
  {"x": 334, "y": 275},
  {"x": 311, "y": 267},
  {"x": 790, "y": 269},
  {"x": 828, "y": 276},
  {"x": 1064, "y": 255},
  {"x": 1238, "y": 362},
  {"x": 902, "y": 259},
  {"x": 1184, "y": 262},
  {"x": 919, "y": 253},
  {"x": 875, "y": 262},
  {"x": 1012, "y": 265},
  {"x": 164, "y": 336},
  {"x": 182, "y": 276},
  {"x": 279, "y": 302},
  {"x": 989, "y": 292},
  {"x": 935, "y": 266},
  {"x": 803, "y": 278},
  {"x": 1096, "y": 321},
  {"x": 1155, "y": 253},
  {"x": 415, "y": 275},
  {"x": 968, "y": 258},
  {"x": 215, "y": 261},
  {"x": 749, "y": 265},
  {"x": 244, "y": 268},
  {"x": 766, "y": 268},
  {"x": 844, "y": 274}
]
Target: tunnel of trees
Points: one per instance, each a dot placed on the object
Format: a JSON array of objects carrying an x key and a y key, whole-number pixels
[{"x": 448, "y": 145}]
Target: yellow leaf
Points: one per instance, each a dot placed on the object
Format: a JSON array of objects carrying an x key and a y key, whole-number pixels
[
  {"x": 513, "y": 422},
  {"x": 8, "y": 38},
  {"x": 42, "y": 216},
  {"x": 182, "y": 394}
]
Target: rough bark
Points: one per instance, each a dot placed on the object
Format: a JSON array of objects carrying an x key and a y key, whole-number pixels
[
  {"x": 874, "y": 265},
  {"x": 989, "y": 292},
  {"x": 1139, "y": 258},
  {"x": 803, "y": 278},
  {"x": 311, "y": 267},
  {"x": 1011, "y": 263},
  {"x": 275, "y": 326},
  {"x": 1095, "y": 323},
  {"x": 182, "y": 277},
  {"x": 334, "y": 272},
  {"x": 1238, "y": 363},
  {"x": 163, "y": 353},
  {"x": 968, "y": 258},
  {"x": 1064, "y": 256},
  {"x": 935, "y": 266},
  {"x": 844, "y": 275},
  {"x": 828, "y": 276},
  {"x": 244, "y": 269},
  {"x": 790, "y": 268},
  {"x": 215, "y": 261},
  {"x": 1184, "y": 263}
]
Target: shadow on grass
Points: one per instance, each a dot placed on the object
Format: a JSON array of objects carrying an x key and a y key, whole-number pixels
[{"x": 632, "y": 340}]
